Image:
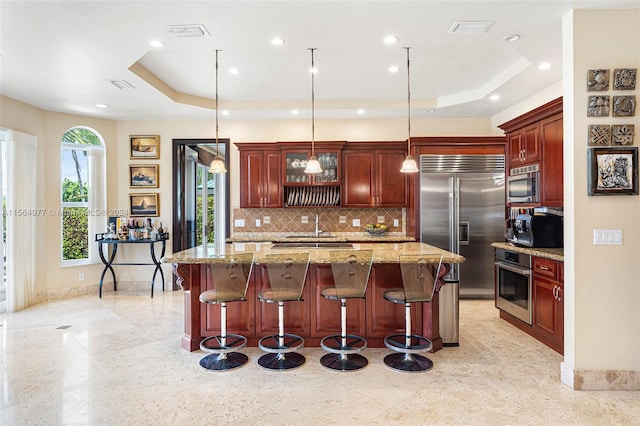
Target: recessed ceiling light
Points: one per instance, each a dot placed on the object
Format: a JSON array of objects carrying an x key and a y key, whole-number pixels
[
  {"x": 512, "y": 37},
  {"x": 394, "y": 69},
  {"x": 544, "y": 66},
  {"x": 234, "y": 71},
  {"x": 294, "y": 112},
  {"x": 494, "y": 98},
  {"x": 277, "y": 41},
  {"x": 390, "y": 39},
  {"x": 102, "y": 106},
  {"x": 361, "y": 111},
  {"x": 156, "y": 43}
]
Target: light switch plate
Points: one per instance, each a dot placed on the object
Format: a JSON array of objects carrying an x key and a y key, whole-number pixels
[
  {"x": 239, "y": 223},
  {"x": 356, "y": 222},
  {"x": 258, "y": 223},
  {"x": 607, "y": 237},
  {"x": 396, "y": 222}
]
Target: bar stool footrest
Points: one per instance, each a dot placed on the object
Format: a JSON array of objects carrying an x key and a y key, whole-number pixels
[
  {"x": 333, "y": 344},
  {"x": 213, "y": 344},
  {"x": 398, "y": 343},
  {"x": 271, "y": 344}
]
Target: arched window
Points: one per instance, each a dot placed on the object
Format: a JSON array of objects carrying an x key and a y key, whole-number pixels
[{"x": 82, "y": 194}]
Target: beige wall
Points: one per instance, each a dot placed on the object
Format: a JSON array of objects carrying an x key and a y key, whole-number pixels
[{"x": 602, "y": 286}]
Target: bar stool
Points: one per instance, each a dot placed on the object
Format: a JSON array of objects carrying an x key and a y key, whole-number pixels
[
  {"x": 419, "y": 278},
  {"x": 287, "y": 274},
  {"x": 351, "y": 269},
  {"x": 230, "y": 278}
]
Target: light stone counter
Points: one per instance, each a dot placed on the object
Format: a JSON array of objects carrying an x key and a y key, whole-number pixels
[
  {"x": 383, "y": 252},
  {"x": 359, "y": 237},
  {"x": 547, "y": 253}
]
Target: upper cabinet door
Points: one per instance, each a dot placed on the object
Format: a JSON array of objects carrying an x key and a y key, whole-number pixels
[
  {"x": 532, "y": 150},
  {"x": 358, "y": 179},
  {"x": 391, "y": 183},
  {"x": 295, "y": 162},
  {"x": 260, "y": 179}
]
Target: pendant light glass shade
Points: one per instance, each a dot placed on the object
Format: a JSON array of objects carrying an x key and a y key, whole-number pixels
[
  {"x": 217, "y": 165},
  {"x": 409, "y": 164},
  {"x": 313, "y": 165}
]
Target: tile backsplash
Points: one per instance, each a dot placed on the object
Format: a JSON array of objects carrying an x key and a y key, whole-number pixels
[{"x": 333, "y": 220}]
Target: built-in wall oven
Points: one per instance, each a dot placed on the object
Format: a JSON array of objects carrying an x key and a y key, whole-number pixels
[{"x": 513, "y": 284}]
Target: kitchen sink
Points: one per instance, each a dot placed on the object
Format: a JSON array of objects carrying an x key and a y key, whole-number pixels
[{"x": 299, "y": 244}]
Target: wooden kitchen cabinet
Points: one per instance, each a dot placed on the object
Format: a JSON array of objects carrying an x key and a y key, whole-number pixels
[
  {"x": 260, "y": 177},
  {"x": 537, "y": 137},
  {"x": 295, "y": 162},
  {"x": 524, "y": 146},
  {"x": 548, "y": 302},
  {"x": 372, "y": 178}
]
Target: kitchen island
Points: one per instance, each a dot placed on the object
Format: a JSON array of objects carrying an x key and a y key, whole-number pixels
[{"x": 314, "y": 317}]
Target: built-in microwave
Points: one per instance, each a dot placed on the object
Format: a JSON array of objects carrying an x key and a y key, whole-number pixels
[{"x": 523, "y": 184}]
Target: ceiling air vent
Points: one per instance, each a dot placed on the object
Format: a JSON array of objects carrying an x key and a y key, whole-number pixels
[
  {"x": 470, "y": 27},
  {"x": 122, "y": 84},
  {"x": 195, "y": 30}
]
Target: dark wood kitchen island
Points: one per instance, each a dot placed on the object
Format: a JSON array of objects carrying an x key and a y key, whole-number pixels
[{"x": 314, "y": 317}]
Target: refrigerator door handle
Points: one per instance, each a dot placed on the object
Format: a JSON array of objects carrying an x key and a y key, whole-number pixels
[{"x": 463, "y": 233}]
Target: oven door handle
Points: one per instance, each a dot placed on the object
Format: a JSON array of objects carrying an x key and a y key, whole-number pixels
[{"x": 508, "y": 267}]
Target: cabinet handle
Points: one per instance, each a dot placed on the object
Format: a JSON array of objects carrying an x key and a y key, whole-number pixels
[
  {"x": 544, "y": 268},
  {"x": 555, "y": 292},
  {"x": 559, "y": 296}
]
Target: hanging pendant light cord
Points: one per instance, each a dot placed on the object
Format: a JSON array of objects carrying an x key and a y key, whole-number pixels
[
  {"x": 313, "y": 105},
  {"x": 408, "y": 106},
  {"x": 217, "y": 102}
]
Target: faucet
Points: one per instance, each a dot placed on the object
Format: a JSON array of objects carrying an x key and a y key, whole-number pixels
[{"x": 318, "y": 231}]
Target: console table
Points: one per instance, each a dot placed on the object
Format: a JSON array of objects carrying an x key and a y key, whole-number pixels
[{"x": 109, "y": 262}]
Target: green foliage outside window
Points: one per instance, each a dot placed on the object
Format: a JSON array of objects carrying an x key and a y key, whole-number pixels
[
  {"x": 210, "y": 219},
  {"x": 75, "y": 233}
]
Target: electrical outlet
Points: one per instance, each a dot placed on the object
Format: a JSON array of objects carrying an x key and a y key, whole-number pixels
[
  {"x": 81, "y": 276},
  {"x": 257, "y": 223},
  {"x": 304, "y": 219},
  {"x": 239, "y": 223},
  {"x": 356, "y": 222},
  {"x": 396, "y": 222},
  {"x": 266, "y": 220},
  {"x": 380, "y": 219}
]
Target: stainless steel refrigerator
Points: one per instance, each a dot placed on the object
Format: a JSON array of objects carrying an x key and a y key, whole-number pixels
[{"x": 462, "y": 210}]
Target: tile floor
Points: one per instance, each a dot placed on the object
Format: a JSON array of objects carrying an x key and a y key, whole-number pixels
[{"x": 118, "y": 361}]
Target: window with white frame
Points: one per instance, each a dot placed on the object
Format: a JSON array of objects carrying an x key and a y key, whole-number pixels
[{"x": 82, "y": 194}]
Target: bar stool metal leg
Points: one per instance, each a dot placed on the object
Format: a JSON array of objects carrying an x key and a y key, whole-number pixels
[
  {"x": 281, "y": 347},
  {"x": 408, "y": 346},
  {"x": 343, "y": 348},
  {"x": 223, "y": 357}
]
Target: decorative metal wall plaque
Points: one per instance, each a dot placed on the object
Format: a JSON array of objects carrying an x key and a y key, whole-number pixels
[
  {"x": 598, "y": 80},
  {"x": 598, "y": 106},
  {"x": 624, "y": 106},
  {"x": 599, "y": 135},
  {"x": 624, "y": 78},
  {"x": 622, "y": 134}
]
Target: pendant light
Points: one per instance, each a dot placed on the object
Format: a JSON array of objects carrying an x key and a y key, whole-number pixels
[
  {"x": 313, "y": 165},
  {"x": 409, "y": 164},
  {"x": 217, "y": 165}
]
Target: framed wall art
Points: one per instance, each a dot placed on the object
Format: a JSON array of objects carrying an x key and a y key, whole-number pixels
[
  {"x": 144, "y": 205},
  {"x": 613, "y": 171},
  {"x": 144, "y": 147},
  {"x": 143, "y": 175}
]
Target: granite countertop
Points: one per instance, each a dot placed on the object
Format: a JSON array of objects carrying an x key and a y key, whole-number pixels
[
  {"x": 547, "y": 253},
  {"x": 332, "y": 237},
  {"x": 382, "y": 252}
]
